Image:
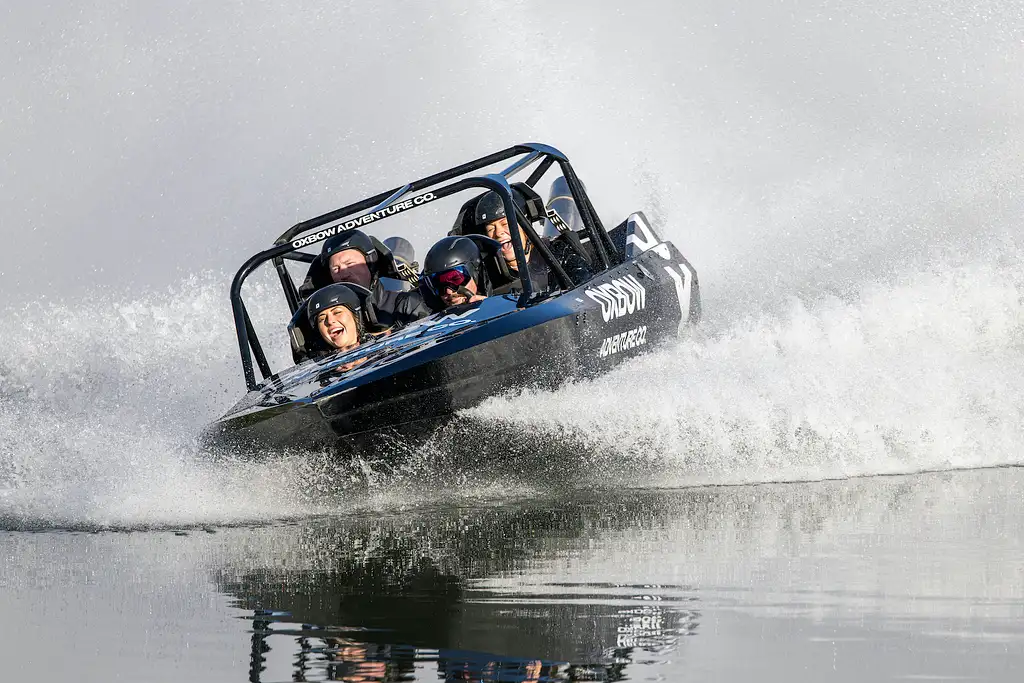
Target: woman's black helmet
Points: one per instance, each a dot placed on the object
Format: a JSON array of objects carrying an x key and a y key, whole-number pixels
[
  {"x": 351, "y": 296},
  {"x": 490, "y": 208}
]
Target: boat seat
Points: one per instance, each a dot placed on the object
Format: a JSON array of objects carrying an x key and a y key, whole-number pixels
[
  {"x": 575, "y": 258},
  {"x": 305, "y": 342}
]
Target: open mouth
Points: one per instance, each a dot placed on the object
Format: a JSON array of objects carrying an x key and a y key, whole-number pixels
[{"x": 336, "y": 331}]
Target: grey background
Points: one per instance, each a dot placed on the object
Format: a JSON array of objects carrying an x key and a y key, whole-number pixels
[{"x": 800, "y": 146}]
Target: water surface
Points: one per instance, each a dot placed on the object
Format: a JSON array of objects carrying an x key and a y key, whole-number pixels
[{"x": 883, "y": 578}]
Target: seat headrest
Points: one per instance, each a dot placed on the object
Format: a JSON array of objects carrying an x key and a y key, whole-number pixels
[
  {"x": 402, "y": 249},
  {"x": 532, "y": 205}
]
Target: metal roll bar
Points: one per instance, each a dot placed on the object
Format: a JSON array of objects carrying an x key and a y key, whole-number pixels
[{"x": 388, "y": 203}]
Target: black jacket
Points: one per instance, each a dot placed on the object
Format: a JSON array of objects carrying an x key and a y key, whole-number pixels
[
  {"x": 540, "y": 274},
  {"x": 396, "y": 307},
  {"x": 540, "y": 277}
]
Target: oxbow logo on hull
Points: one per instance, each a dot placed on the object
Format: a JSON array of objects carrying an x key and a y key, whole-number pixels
[{"x": 620, "y": 297}]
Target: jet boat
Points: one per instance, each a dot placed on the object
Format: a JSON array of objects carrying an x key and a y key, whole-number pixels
[{"x": 612, "y": 294}]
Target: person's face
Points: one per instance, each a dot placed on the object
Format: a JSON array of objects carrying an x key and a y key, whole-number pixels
[
  {"x": 349, "y": 265},
  {"x": 337, "y": 326},
  {"x": 498, "y": 230},
  {"x": 450, "y": 297}
]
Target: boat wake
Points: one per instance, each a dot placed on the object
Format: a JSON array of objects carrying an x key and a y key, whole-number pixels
[
  {"x": 919, "y": 374},
  {"x": 101, "y": 403}
]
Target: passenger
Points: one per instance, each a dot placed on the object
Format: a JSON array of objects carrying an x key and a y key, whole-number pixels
[
  {"x": 338, "y": 313},
  {"x": 489, "y": 218},
  {"x": 453, "y": 270},
  {"x": 351, "y": 256}
]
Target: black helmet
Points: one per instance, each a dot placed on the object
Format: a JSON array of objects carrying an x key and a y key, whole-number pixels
[
  {"x": 353, "y": 297},
  {"x": 490, "y": 208},
  {"x": 450, "y": 253},
  {"x": 351, "y": 239}
]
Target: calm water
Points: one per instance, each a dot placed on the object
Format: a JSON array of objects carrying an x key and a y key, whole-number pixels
[{"x": 917, "y": 577}]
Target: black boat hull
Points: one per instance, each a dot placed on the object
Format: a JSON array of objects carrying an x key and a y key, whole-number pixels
[{"x": 411, "y": 383}]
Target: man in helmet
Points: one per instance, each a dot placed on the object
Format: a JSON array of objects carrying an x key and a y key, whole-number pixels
[
  {"x": 453, "y": 271},
  {"x": 489, "y": 219},
  {"x": 352, "y": 256}
]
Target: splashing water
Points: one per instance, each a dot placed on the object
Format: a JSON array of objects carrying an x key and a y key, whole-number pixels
[
  {"x": 102, "y": 402},
  {"x": 919, "y": 375},
  {"x": 840, "y": 212},
  {"x": 100, "y": 406}
]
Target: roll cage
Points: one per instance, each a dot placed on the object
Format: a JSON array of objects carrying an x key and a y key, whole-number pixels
[{"x": 400, "y": 199}]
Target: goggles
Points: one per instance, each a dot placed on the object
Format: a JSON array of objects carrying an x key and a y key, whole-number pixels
[{"x": 453, "y": 278}]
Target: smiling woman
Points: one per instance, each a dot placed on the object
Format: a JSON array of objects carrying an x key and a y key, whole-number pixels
[
  {"x": 338, "y": 314},
  {"x": 338, "y": 327}
]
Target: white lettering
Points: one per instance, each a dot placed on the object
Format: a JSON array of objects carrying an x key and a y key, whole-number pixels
[
  {"x": 620, "y": 297},
  {"x": 454, "y": 320},
  {"x": 317, "y": 237},
  {"x": 623, "y": 341},
  {"x": 365, "y": 219},
  {"x": 639, "y": 235}
]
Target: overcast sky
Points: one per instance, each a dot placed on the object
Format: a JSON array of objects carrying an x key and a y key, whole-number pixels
[{"x": 142, "y": 141}]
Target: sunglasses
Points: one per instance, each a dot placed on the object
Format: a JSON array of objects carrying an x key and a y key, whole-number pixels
[{"x": 453, "y": 278}]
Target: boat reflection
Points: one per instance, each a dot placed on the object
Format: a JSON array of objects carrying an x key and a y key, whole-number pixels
[
  {"x": 439, "y": 597},
  {"x": 608, "y": 585},
  {"x": 333, "y": 654}
]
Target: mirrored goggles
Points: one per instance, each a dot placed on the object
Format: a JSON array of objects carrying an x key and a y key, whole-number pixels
[{"x": 453, "y": 278}]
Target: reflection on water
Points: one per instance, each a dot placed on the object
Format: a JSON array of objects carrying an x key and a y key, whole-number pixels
[
  {"x": 873, "y": 579},
  {"x": 319, "y": 655},
  {"x": 380, "y": 598},
  {"x": 611, "y": 586},
  {"x": 333, "y": 653}
]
